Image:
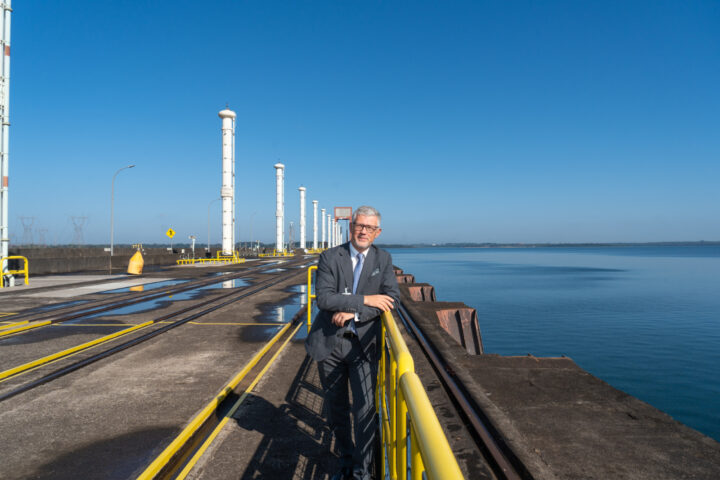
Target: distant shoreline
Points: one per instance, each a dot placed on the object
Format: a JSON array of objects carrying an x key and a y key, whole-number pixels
[
  {"x": 551, "y": 245},
  {"x": 419, "y": 245}
]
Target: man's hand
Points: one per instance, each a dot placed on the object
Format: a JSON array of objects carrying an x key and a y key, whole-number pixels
[
  {"x": 383, "y": 302},
  {"x": 341, "y": 318}
]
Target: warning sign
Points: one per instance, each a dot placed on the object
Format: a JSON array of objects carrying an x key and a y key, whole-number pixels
[{"x": 170, "y": 233}]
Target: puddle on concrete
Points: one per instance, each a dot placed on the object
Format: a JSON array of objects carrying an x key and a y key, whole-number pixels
[
  {"x": 234, "y": 283},
  {"x": 261, "y": 333},
  {"x": 275, "y": 270},
  {"x": 278, "y": 313},
  {"x": 301, "y": 297},
  {"x": 165, "y": 301},
  {"x": 145, "y": 287}
]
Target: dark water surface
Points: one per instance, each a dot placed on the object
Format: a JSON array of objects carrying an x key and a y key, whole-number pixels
[{"x": 644, "y": 319}]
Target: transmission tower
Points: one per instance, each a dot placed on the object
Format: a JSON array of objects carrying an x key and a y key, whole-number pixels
[
  {"x": 27, "y": 223},
  {"x": 78, "y": 223},
  {"x": 42, "y": 236}
]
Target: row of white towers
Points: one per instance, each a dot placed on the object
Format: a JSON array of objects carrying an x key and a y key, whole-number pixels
[
  {"x": 227, "y": 193},
  {"x": 333, "y": 239}
]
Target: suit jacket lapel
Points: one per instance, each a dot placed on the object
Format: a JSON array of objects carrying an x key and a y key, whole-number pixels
[{"x": 346, "y": 265}]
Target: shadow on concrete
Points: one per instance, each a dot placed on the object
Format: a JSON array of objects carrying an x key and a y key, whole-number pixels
[
  {"x": 296, "y": 442},
  {"x": 57, "y": 331},
  {"x": 122, "y": 457}
]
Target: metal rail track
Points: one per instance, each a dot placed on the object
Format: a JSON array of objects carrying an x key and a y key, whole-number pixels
[
  {"x": 96, "y": 306},
  {"x": 500, "y": 457},
  {"x": 74, "y": 312},
  {"x": 229, "y": 298}
]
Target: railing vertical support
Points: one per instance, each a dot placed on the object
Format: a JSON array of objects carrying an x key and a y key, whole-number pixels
[
  {"x": 310, "y": 296},
  {"x": 416, "y": 465},
  {"x": 401, "y": 438}
]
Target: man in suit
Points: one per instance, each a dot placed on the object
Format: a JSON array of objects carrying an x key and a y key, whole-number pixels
[{"x": 355, "y": 283}]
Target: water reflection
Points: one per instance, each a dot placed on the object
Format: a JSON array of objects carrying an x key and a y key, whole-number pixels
[{"x": 146, "y": 286}]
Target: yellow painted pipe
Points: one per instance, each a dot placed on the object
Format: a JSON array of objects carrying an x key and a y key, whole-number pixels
[
  {"x": 437, "y": 456},
  {"x": 26, "y": 327},
  {"x": 10, "y": 325},
  {"x": 229, "y": 415},
  {"x": 154, "y": 468},
  {"x": 68, "y": 351}
]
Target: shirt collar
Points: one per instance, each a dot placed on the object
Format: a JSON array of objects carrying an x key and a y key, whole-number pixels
[{"x": 354, "y": 251}]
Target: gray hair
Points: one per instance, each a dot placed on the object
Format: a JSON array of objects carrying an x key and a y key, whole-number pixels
[{"x": 366, "y": 211}]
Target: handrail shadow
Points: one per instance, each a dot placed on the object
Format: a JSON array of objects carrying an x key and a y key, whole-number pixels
[{"x": 296, "y": 441}]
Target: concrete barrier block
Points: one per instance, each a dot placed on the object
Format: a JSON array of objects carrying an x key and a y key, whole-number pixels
[
  {"x": 462, "y": 325},
  {"x": 405, "y": 278}
]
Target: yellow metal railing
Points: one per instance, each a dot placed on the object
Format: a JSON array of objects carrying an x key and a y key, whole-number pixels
[
  {"x": 23, "y": 270},
  {"x": 310, "y": 296},
  {"x": 402, "y": 402},
  {"x": 220, "y": 259},
  {"x": 275, "y": 253}
]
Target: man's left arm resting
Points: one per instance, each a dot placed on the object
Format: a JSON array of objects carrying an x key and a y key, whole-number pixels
[{"x": 387, "y": 299}]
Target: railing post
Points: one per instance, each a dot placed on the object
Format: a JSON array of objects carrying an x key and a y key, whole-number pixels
[
  {"x": 416, "y": 465},
  {"x": 310, "y": 296},
  {"x": 392, "y": 403},
  {"x": 401, "y": 436},
  {"x": 380, "y": 399}
]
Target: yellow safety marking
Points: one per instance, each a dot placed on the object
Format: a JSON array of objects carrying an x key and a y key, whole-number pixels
[
  {"x": 206, "y": 412},
  {"x": 239, "y": 324},
  {"x": 26, "y": 327},
  {"x": 68, "y": 351},
  {"x": 249, "y": 324},
  {"x": 6, "y": 314},
  {"x": 93, "y": 324},
  {"x": 15, "y": 324},
  {"x": 229, "y": 414}
]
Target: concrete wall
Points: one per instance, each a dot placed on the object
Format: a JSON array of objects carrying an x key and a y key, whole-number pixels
[{"x": 49, "y": 260}]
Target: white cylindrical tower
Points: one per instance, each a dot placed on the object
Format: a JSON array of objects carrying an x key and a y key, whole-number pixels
[
  {"x": 302, "y": 218},
  {"x": 323, "y": 222},
  {"x": 5, "y": 133},
  {"x": 315, "y": 220},
  {"x": 280, "y": 206},
  {"x": 227, "y": 192},
  {"x": 335, "y": 225}
]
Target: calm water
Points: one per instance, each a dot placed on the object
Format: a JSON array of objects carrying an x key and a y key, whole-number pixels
[{"x": 644, "y": 319}]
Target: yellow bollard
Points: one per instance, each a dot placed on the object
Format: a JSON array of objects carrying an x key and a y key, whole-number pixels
[{"x": 135, "y": 266}]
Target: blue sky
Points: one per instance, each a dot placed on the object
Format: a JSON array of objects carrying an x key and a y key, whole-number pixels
[{"x": 460, "y": 121}]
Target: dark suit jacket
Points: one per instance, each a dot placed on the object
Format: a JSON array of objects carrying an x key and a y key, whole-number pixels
[{"x": 334, "y": 276}]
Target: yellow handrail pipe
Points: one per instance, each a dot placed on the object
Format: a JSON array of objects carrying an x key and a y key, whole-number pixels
[
  {"x": 402, "y": 402},
  {"x": 310, "y": 296},
  {"x": 435, "y": 452},
  {"x": 23, "y": 270}
]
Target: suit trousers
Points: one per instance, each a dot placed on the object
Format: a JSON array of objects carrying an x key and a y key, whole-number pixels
[{"x": 348, "y": 363}]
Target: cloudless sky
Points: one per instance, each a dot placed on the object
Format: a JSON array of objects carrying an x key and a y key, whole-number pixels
[{"x": 516, "y": 121}]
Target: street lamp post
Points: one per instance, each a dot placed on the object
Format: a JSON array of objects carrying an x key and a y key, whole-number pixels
[
  {"x": 112, "y": 214},
  {"x": 211, "y": 202},
  {"x": 252, "y": 217}
]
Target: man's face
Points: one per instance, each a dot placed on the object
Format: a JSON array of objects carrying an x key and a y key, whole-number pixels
[{"x": 364, "y": 231}]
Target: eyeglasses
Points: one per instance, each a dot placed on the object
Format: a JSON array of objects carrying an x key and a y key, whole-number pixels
[{"x": 358, "y": 227}]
